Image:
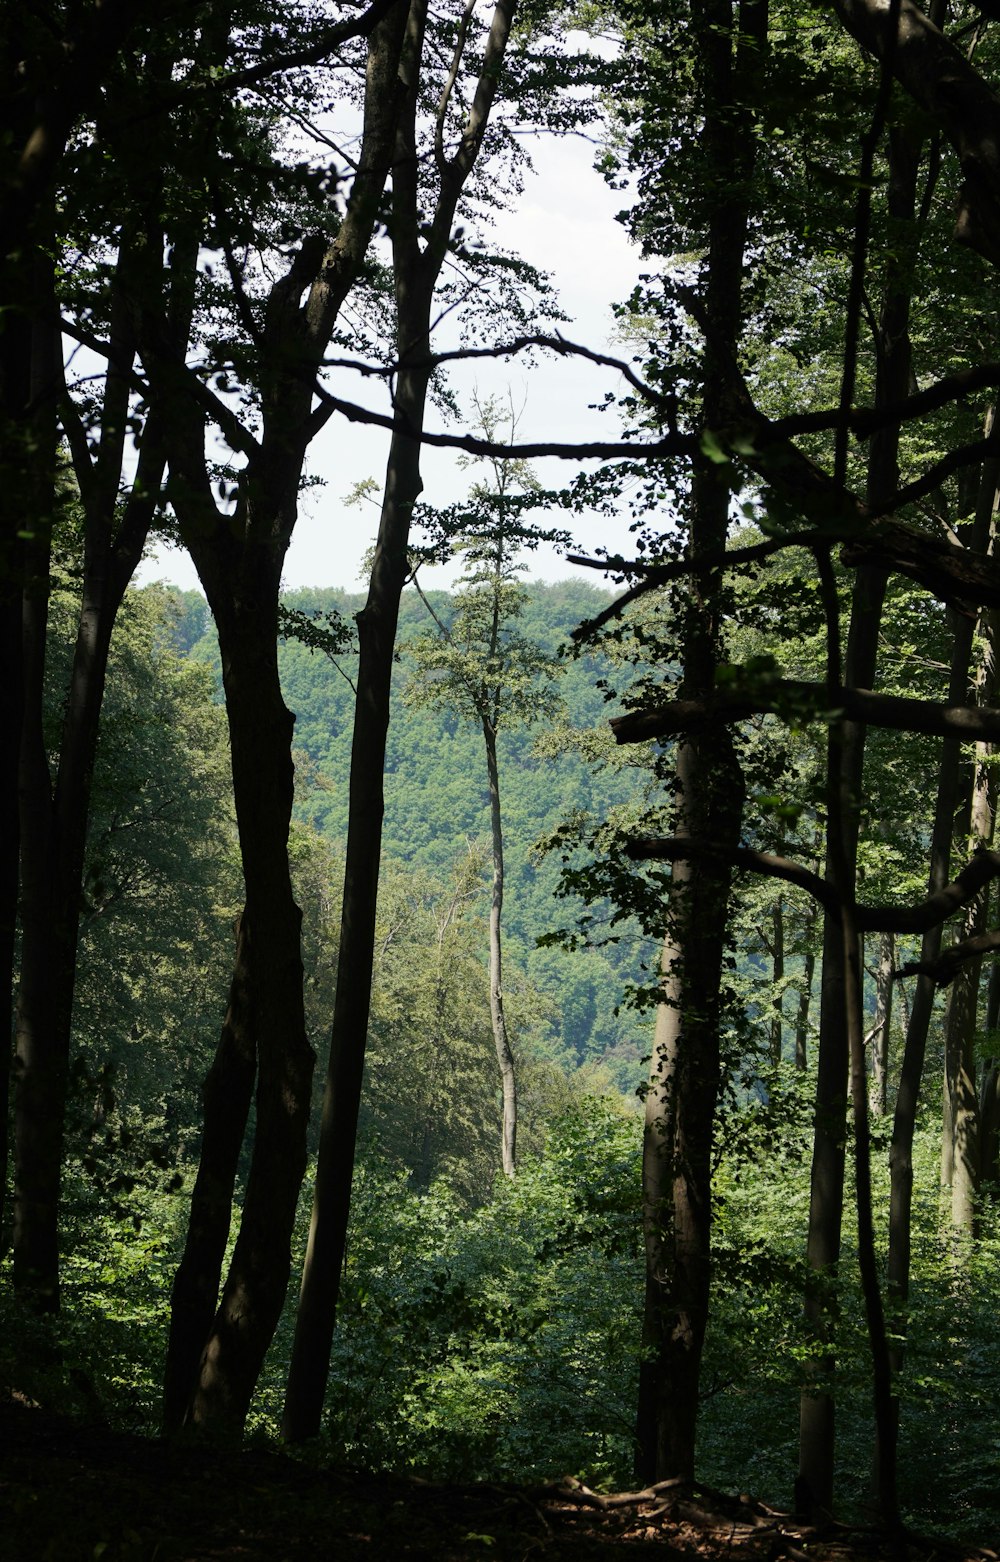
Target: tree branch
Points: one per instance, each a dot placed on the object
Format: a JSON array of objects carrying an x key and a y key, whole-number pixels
[{"x": 970, "y": 723}]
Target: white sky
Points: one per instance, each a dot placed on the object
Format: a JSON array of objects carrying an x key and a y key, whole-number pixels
[{"x": 564, "y": 224}]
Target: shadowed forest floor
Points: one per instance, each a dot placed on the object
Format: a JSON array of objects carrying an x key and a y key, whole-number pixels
[{"x": 70, "y": 1491}]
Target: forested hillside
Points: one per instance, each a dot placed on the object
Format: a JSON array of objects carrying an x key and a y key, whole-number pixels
[{"x": 437, "y": 806}]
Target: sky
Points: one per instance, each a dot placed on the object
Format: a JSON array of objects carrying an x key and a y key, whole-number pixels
[{"x": 563, "y": 224}]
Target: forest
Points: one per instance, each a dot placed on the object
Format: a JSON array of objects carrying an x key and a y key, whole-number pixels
[{"x": 519, "y": 1061}]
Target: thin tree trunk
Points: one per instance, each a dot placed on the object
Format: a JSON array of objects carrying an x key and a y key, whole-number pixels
[
  {"x": 918, "y": 1025},
  {"x": 679, "y": 1121},
  {"x": 883, "y": 1024},
  {"x": 960, "y": 1152},
  {"x": 505, "y": 1057},
  {"x": 56, "y": 838},
  {"x": 777, "y": 979},
  {"x": 327, "y": 1243},
  {"x": 989, "y": 1095},
  {"x": 805, "y": 989},
  {"x": 40, "y": 1070},
  {"x": 814, "y": 1484},
  {"x": 815, "y": 1481}
]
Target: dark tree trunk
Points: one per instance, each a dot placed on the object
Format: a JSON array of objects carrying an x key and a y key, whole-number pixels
[
  {"x": 680, "y": 1116},
  {"x": 260, "y": 730},
  {"x": 342, "y": 1094},
  {"x": 227, "y": 1094},
  {"x": 56, "y": 814},
  {"x": 814, "y": 1484},
  {"x": 419, "y": 252},
  {"x": 805, "y": 989},
  {"x": 239, "y": 560},
  {"x": 40, "y": 1064}
]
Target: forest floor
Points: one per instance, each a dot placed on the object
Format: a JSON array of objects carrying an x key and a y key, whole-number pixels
[{"x": 81, "y": 1493}]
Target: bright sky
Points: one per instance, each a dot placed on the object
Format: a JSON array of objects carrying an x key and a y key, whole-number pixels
[{"x": 563, "y": 224}]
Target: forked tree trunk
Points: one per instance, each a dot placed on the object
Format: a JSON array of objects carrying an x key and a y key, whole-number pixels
[
  {"x": 226, "y": 1096},
  {"x": 260, "y": 730},
  {"x": 239, "y": 559}
]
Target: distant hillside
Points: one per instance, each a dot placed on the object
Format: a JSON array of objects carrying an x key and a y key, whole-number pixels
[{"x": 437, "y": 800}]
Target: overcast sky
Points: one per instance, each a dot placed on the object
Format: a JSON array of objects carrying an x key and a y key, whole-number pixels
[{"x": 564, "y": 224}]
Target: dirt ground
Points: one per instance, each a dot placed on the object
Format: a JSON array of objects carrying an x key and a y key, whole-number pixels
[{"x": 77, "y": 1493}]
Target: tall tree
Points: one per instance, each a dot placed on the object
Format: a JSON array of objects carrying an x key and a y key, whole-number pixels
[
  {"x": 430, "y": 175},
  {"x": 215, "y": 1354},
  {"x": 479, "y": 665}
]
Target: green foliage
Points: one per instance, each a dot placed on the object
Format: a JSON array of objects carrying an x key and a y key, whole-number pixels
[{"x": 500, "y": 1342}]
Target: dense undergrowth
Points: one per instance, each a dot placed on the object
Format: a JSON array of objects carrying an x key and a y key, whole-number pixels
[{"x": 500, "y": 1341}]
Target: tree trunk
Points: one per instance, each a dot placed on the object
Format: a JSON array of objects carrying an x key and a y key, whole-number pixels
[
  {"x": 814, "y": 1484},
  {"x": 419, "y": 252},
  {"x": 226, "y": 1094},
  {"x": 679, "y": 1121},
  {"x": 239, "y": 560},
  {"x": 989, "y": 1094},
  {"x": 314, "y": 1324},
  {"x": 684, "y": 1083},
  {"x": 260, "y": 730},
  {"x": 40, "y": 1065},
  {"x": 505, "y": 1057},
  {"x": 777, "y": 979},
  {"x": 55, "y": 840},
  {"x": 805, "y": 988},
  {"x": 960, "y": 1158},
  {"x": 883, "y": 1024}
]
